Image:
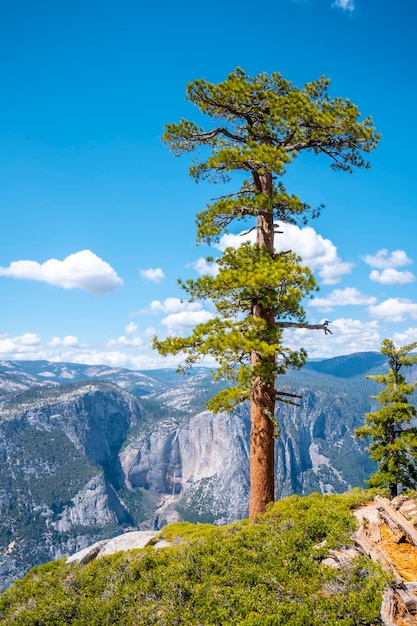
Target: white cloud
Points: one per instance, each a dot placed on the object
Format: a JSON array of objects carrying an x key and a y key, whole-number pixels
[
  {"x": 131, "y": 328},
  {"x": 154, "y": 275},
  {"x": 117, "y": 358},
  {"x": 20, "y": 347},
  {"x": 68, "y": 341},
  {"x": 203, "y": 267},
  {"x": 174, "y": 305},
  {"x": 318, "y": 253},
  {"x": 332, "y": 274},
  {"x": 391, "y": 276},
  {"x": 185, "y": 319},
  {"x": 180, "y": 314},
  {"x": 342, "y": 297},
  {"x": 403, "y": 338},
  {"x": 125, "y": 342},
  {"x": 383, "y": 260},
  {"x": 394, "y": 310},
  {"x": 82, "y": 270},
  {"x": 348, "y": 336},
  {"x": 346, "y": 5}
]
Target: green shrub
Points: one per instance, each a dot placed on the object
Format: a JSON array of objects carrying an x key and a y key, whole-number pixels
[{"x": 260, "y": 572}]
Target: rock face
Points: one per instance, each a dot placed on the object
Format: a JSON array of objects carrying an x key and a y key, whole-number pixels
[
  {"x": 198, "y": 468},
  {"x": 86, "y": 461},
  {"x": 316, "y": 450},
  {"x": 199, "y": 465},
  {"x": 61, "y": 471}
]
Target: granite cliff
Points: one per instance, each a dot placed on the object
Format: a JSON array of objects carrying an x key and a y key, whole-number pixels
[{"x": 88, "y": 460}]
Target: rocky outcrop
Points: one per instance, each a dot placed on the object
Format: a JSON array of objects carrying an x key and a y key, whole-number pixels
[{"x": 134, "y": 540}]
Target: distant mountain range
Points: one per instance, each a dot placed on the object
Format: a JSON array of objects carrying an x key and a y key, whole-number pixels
[{"x": 88, "y": 451}]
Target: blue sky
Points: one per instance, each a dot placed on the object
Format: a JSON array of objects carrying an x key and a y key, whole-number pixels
[{"x": 98, "y": 217}]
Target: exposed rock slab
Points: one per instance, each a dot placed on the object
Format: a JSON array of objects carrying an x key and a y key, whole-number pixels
[
  {"x": 133, "y": 540},
  {"x": 87, "y": 554}
]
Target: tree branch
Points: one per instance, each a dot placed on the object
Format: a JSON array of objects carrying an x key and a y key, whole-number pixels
[
  {"x": 286, "y": 393},
  {"x": 324, "y": 326},
  {"x": 246, "y": 232},
  {"x": 230, "y": 109},
  {"x": 217, "y": 131},
  {"x": 242, "y": 192}
]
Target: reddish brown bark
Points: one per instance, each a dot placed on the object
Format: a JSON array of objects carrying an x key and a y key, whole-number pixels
[
  {"x": 262, "y": 406},
  {"x": 262, "y": 446}
]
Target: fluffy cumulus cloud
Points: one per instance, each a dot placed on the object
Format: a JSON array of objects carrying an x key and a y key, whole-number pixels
[
  {"x": 141, "y": 359},
  {"x": 116, "y": 358},
  {"x": 387, "y": 262},
  {"x": 409, "y": 335},
  {"x": 179, "y": 315},
  {"x": 185, "y": 319},
  {"x": 342, "y": 297},
  {"x": 130, "y": 340},
  {"x": 173, "y": 305},
  {"x": 202, "y": 266},
  {"x": 131, "y": 328},
  {"x": 394, "y": 310},
  {"x": 318, "y": 253},
  {"x": 383, "y": 259},
  {"x": 69, "y": 341},
  {"x": 29, "y": 346},
  {"x": 125, "y": 342},
  {"x": 155, "y": 275},
  {"x": 81, "y": 270},
  {"x": 21, "y": 347},
  {"x": 391, "y": 276},
  {"x": 349, "y": 336}
]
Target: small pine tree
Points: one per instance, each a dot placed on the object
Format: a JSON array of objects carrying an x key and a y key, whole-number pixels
[{"x": 394, "y": 441}]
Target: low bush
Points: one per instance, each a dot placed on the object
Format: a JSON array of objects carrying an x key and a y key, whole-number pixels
[{"x": 259, "y": 572}]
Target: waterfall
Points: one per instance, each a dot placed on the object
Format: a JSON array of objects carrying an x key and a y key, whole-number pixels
[{"x": 173, "y": 461}]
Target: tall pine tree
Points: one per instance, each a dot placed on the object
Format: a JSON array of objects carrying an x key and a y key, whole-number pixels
[
  {"x": 258, "y": 126},
  {"x": 394, "y": 441}
]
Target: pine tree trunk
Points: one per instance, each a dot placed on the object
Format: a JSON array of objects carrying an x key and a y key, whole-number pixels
[
  {"x": 262, "y": 445},
  {"x": 262, "y": 407}
]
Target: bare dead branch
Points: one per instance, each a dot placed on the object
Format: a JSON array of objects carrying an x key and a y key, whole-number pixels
[
  {"x": 286, "y": 393},
  {"x": 324, "y": 326},
  {"x": 289, "y": 137},
  {"x": 248, "y": 231}
]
